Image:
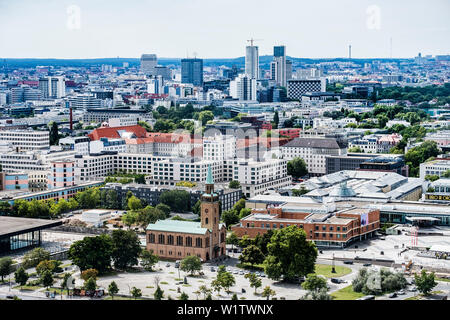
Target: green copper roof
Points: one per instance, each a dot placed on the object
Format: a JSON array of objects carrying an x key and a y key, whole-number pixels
[
  {"x": 177, "y": 226},
  {"x": 209, "y": 178}
]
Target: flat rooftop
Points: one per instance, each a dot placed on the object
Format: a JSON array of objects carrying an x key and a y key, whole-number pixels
[{"x": 10, "y": 226}]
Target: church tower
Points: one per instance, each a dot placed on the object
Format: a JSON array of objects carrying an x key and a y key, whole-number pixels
[{"x": 210, "y": 214}]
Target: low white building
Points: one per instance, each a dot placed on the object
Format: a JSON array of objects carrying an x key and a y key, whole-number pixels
[{"x": 96, "y": 217}]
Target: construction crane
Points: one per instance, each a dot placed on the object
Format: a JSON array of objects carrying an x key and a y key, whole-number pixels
[{"x": 252, "y": 40}]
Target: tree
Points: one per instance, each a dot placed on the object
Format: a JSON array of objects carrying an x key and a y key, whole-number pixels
[
  {"x": 234, "y": 184},
  {"x": 417, "y": 155},
  {"x": 126, "y": 249},
  {"x": 89, "y": 198},
  {"x": 244, "y": 212},
  {"x": 268, "y": 292},
  {"x": 50, "y": 265},
  {"x": 234, "y": 297},
  {"x": 65, "y": 283},
  {"x": 191, "y": 264},
  {"x": 92, "y": 252},
  {"x": 233, "y": 239},
  {"x": 224, "y": 280},
  {"x": 355, "y": 150},
  {"x": 33, "y": 258},
  {"x": 89, "y": 273},
  {"x": 290, "y": 254},
  {"x": 205, "y": 116},
  {"x": 136, "y": 293},
  {"x": 54, "y": 135},
  {"x": 159, "y": 294},
  {"x": 134, "y": 203},
  {"x": 149, "y": 215},
  {"x": 113, "y": 289},
  {"x": 184, "y": 296},
  {"x": 276, "y": 120},
  {"x": 21, "y": 276},
  {"x": 148, "y": 259},
  {"x": 164, "y": 208},
  {"x": 314, "y": 283},
  {"x": 5, "y": 266},
  {"x": 297, "y": 168},
  {"x": 197, "y": 207},
  {"x": 252, "y": 255},
  {"x": 255, "y": 282},
  {"x": 321, "y": 294},
  {"x": 129, "y": 218},
  {"x": 47, "y": 278},
  {"x": 177, "y": 200},
  {"x": 230, "y": 217},
  {"x": 111, "y": 201},
  {"x": 204, "y": 290},
  {"x": 425, "y": 282},
  {"x": 239, "y": 205},
  {"x": 90, "y": 284}
]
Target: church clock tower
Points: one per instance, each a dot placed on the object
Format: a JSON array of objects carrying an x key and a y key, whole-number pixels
[{"x": 210, "y": 214}]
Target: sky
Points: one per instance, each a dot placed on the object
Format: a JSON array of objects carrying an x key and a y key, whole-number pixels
[{"x": 221, "y": 28}]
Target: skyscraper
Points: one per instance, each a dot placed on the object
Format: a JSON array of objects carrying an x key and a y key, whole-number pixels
[
  {"x": 148, "y": 64},
  {"x": 243, "y": 88},
  {"x": 278, "y": 66},
  {"x": 252, "y": 62},
  {"x": 52, "y": 87},
  {"x": 192, "y": 71}
]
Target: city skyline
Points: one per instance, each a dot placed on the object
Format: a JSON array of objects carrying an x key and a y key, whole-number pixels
[{"x": 197, "y": 28}]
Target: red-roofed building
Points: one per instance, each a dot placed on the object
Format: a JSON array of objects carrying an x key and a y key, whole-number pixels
[{"x": 117, "y": 132}]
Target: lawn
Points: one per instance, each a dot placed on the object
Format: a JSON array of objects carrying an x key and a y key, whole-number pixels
[
  {"x": 420, "y": 296},
  {"x": 346, "y": 293},
  {"x": 28, "y": 288},
  {"x": 443, "y": 279},
  {"x": 325, "y": 270}
]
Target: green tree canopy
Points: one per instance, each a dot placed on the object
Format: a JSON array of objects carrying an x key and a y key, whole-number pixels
[
  {"x": 92, "y": 253},
  {"x": 297, "y": 168},
  {"x": 290, "y": 254}
]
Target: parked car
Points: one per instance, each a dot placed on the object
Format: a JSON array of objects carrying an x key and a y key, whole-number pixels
[
  {"x": 348, "y": 262},
  {"x": 401, "y": 292},
  {"x": 367, "y": 264},
  {"x": 412, "y": 289},
  {"x": 393, "y": 295},
  {"x": 213, "y": 269},
  {"x": 168, "y": 265},
  {"x": 335, "y": 280},
  {"x": 241, "y": 272},
  {"x": 177, "y": 264}
]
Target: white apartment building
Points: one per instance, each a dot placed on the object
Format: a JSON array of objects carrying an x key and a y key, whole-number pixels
[
  {"x": 313, "y": 151},
  {"x": 170, "y": 171},
  {"x": 105, "y": 144},
  {"x": 101, "y": 165},
  {"x": 219, "y": 147},
  {"x": 435, "y": 167},
  {"x": 78, "y": 144},
  {"x": 123, "y": 121},
  {"x": 376, "y": 143},
  {"x": 257, "y": 177},
  {"x": 243, "y": 88},
  {"x": 31, "y": 161},
  {"x": 22, "y": 140}
]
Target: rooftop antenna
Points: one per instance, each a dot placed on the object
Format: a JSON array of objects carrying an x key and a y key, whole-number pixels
[
  {"x": 350, "y": 51},
  {"x": 195, "y": 55}
]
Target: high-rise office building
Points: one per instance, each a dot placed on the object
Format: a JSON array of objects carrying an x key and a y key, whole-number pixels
[
  {"x": 278, "y": 66},
  {"x": 148, "y": 64},
  {"x": 288, "y": 70},
  {"x": 243, "y": 88},
  {"x": 192, "y": 71},
  {"x": 252, "y": 62},
  {"x": 52, "y": 87}
]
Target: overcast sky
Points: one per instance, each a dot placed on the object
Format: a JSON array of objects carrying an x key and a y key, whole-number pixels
[{"x": 220, "y": 28}]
